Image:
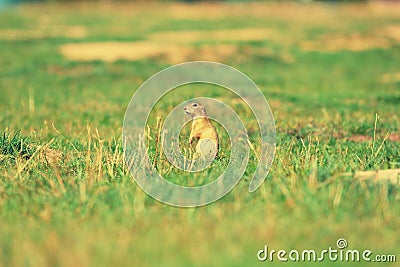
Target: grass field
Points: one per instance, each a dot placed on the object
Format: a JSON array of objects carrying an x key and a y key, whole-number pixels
[{"x": 331, "y": 74}]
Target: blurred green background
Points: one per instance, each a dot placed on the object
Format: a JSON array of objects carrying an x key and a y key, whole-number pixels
[{"x": 331, "y": 74}]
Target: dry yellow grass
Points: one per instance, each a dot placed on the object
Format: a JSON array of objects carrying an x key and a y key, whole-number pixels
[
  {"x": 171, "y": 53},
  {"x": 353, "y": 42},
  {"x": 43, "y": 32},
  {"x": 391, "y": 175}
]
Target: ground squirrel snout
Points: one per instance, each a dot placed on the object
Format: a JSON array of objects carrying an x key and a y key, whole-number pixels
[{"x": 203, "y": 130}]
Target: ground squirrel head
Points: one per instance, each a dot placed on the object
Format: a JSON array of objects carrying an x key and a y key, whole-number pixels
[{"x": 195, "y": 110}]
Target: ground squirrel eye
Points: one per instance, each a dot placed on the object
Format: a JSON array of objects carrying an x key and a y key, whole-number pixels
[{"x": 194, "y": 105}]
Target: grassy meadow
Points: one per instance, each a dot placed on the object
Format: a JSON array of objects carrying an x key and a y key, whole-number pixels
[{"x": 331, "y": 75}]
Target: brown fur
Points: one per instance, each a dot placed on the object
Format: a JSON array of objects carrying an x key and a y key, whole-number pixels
[{"x": 202, "y": 128}]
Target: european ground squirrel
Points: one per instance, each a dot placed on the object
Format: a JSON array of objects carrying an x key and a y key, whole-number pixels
[{"x": 203, "y": 130}]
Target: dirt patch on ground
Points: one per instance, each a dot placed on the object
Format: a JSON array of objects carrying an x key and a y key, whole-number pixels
[
  {"x": 392, "y": 31},
  {"x": 294, "y": 11},
  {"x": 384, "y": 8},
  {"x": 37, "y": 33},
  {"x": 77, "y": 70},
  {"x": 353, "y": 42},
  {"x": 378, "y": 38},
  {"x": 175, "y": 47},
  {"x": 169, "y": 44},
  {"x": 395, "y": 137},
  {"x": 390, "y": 77},
  {"x": 360, "y": 138},
  {"x": 246, "y": 34},
  {"x": 51, "y": 156},
  {"x": 112, "y": 51},
  {"x": 392, "y": 175},
  {"x": 288, "y": 11}
]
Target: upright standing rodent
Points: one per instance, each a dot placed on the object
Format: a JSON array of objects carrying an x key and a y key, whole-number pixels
[{"x": 203, "y": 130}]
